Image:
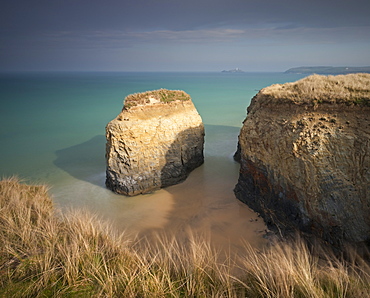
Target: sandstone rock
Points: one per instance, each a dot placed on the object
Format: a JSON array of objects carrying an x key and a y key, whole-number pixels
[
  {"x": 154, "y": 142},
  {"x": 305, "y": 157}
]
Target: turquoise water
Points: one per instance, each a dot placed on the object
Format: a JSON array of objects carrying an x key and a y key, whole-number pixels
[{"x": 52, "y": 131}]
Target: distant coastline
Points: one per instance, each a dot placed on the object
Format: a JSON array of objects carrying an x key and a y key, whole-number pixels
[
  {"x": 235, "y": 70},
  {"x": 328, "y": 70}
]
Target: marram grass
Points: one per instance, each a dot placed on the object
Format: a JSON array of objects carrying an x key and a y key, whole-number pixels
[{"x": 45, "y": 254}]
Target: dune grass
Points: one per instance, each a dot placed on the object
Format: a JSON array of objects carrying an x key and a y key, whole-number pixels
[{"x": 47, "y": 254}]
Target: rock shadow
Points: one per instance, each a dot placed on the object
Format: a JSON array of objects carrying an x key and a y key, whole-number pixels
[
  {"x": 220, "y": 142},
  {"x": 184, "y": 155},
  {"x": 85, "y": 161},
  {"x": 212, "y": 163}
]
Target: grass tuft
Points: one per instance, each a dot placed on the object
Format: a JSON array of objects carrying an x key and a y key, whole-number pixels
[
  {"x": 76, "y": 254},
  {"x": 161, "y": 95}
]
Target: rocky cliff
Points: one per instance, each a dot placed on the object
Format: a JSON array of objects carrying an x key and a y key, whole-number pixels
[
  {"x": 304, "y": 150},
  {"x": 154, "y": 142}
]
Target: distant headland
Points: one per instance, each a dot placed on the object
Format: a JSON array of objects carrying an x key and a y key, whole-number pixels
[
  {"x": 328, "y": 70},
  {"x": 233, "y": 70}
]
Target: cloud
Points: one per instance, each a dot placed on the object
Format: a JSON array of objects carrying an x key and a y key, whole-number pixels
[
  {"x": 133, "y": 30},
  {"x": 211, "y": 37},
  {"x": 188, "y": 36},
  {"x": 179, "y": 15}
]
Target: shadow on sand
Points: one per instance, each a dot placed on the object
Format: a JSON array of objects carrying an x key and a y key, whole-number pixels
[{"x": 85, "y": 161}]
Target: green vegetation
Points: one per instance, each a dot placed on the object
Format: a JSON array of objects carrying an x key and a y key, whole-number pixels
[
  {"x": 351, "y": 89},
  {"x": 161, "y": 95},
  {"x": 45, "y": 254}
]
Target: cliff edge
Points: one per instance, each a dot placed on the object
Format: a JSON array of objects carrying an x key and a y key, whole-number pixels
[
  {"x": 156, "y": 141},
  {"x": 304, "y": 150}
]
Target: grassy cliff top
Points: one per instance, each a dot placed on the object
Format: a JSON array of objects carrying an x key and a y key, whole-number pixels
[
  {"x": 349, "y": 89},
  {"x": 155, "y": 96}
]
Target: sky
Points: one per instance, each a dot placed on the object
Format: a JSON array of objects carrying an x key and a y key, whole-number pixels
[{"x": 186, "y": 35}]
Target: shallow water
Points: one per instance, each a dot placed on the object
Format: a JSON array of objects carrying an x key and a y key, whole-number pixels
[{"x": 52, "y": 131}]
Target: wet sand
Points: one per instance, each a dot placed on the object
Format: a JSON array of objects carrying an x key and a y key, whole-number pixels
[{"x": 205, "y": 204}]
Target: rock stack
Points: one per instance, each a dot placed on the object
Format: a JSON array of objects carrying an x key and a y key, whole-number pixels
[
  {"x": 156, "y": 141},
  {"x": 304, "y": 150}
]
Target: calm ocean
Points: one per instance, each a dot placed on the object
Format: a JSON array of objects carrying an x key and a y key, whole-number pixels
[{"x": 52, "y": 129}]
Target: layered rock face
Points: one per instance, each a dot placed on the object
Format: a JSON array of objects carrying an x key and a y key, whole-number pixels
[
  {"x": 154, "y": 142},
  {"x": 305, "y": 157}
]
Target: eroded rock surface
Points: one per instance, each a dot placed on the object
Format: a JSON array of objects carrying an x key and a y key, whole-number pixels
[
  {"x": 154, "y": 142},
  {"x": 305, "y": 157}
]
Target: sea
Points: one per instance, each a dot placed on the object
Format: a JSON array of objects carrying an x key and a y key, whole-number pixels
[{"x": 52, "y": 131}]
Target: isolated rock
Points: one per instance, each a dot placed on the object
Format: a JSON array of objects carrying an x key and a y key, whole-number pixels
[
  {"x": 305, "y": 157},
  {"x": 156, "y": 141}
]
